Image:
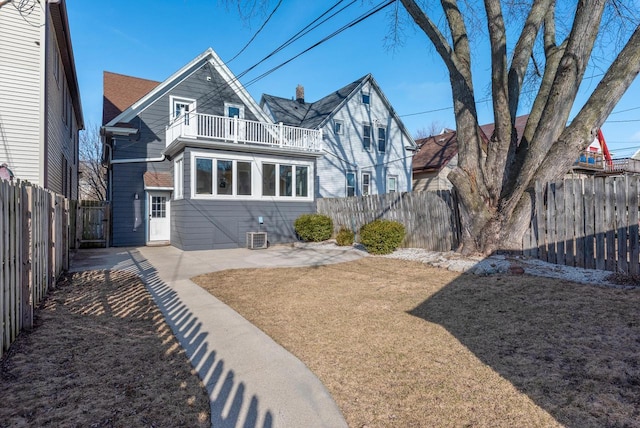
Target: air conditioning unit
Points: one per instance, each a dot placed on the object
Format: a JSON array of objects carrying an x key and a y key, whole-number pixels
[{"x": 256, "y": 240}]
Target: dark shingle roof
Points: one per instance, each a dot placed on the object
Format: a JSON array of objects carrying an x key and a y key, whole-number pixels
[
  {"x": 435, "y": 152},
  {"x": 309, "y": 115}
]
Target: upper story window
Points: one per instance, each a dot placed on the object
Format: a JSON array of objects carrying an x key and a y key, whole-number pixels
[
  {"x": 338, "y": 127},
  {"x": 366, "y": 136},
  {"x": 366, "y": 98},
  {"x": 382, "y": 139},
  {"x": 234, "y": 110},
  {"x": 182, "y": 107}
]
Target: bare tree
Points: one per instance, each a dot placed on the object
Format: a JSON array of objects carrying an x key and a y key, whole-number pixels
[
  {"x": 495, "y": 180},
  {"x": 434, "y": 128},
  {"x": 93, "y": 173}
]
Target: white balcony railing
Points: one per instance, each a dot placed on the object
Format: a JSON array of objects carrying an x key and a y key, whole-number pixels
[{"x": 241, "y": 131}]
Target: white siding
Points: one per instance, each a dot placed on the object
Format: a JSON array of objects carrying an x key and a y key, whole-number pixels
[
  {"x": 20, "y": 92},
  {"x": 346, "y": 152}
]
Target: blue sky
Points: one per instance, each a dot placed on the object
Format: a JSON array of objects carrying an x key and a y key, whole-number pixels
[{"x": 153, "y": 39}]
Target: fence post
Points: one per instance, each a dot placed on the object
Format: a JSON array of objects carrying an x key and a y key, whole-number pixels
[{"x": 27, "y": 235}]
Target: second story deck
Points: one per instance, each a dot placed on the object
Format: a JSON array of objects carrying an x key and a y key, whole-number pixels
[{"x": 241, "y": 131}]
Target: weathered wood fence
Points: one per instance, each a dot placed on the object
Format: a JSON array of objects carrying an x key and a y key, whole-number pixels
[
  {"x": 430, "y": 218},
  {"x": 91, "y": 223},
  {"x": 34, "y": 250},
  {"x": 590, "y": 223}
]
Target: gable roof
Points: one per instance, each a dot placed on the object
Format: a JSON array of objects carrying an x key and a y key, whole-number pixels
[
  {"x": 208, "y": 56},
  {"x": 315, "y": 115},
  {"x": 436, "y": 151},
  {"x": 120, "y": 92},
  {"x": 310, "y": 115}
]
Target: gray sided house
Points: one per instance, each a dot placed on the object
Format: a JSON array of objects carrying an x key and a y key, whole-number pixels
[
  {"x": 194, "y": 162},
  {"x": 367, "y": 149}
]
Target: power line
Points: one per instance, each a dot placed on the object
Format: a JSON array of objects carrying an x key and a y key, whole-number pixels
[
  {"x": 372, "y": 12},
  {"x": 257, "y": 32}
]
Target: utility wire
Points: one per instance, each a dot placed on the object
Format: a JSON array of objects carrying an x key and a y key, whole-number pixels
[
  {"x": 378, "y": 8},
  {"x": 257, "y": 32}
]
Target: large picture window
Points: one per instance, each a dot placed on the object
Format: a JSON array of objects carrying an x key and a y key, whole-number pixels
[{"x": 246, "y": 177}]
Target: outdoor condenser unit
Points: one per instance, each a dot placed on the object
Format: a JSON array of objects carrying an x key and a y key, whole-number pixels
[{"x": 256, "y": 240}]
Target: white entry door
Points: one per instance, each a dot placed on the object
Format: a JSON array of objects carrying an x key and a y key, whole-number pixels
[{"x": 159, "y": 216}]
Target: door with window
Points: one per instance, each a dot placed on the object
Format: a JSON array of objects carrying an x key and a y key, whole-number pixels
[
  {"x": 235, "y": 128},
  {"x": 159, "y": 216}
]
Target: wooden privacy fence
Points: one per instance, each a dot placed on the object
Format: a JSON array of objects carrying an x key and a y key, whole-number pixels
[
  {"x": 590, "y": 223},
  {"x": 430, "y": 218},
  {"x": 34, "y": 250},
  {"x": 91, "y": 223}
]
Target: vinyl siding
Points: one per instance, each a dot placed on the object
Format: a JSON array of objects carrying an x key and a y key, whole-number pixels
[
  {"x": 435, "y": 180},
  {"x": 202, "y": 225},
  {"x": 21, "y": 68},
  {"x": 61, "y": 141},
  {"x": 127, "y": 179},
  {"x": 346, "y": 151}
]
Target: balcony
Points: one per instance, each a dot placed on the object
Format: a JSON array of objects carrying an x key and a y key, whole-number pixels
[{"x": 240, "y": 131}]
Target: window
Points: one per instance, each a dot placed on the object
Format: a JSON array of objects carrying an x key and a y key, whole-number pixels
[
  {"x": 234, "y": 110},
  {"x": 204, "y": 176},
  {"x": 302, "y": 181},
  {"x": 178, "y": 178},
  {"x": 268, "y": 179},
  {"x": 286, "y": 180},
  {"x": 392, "y": 183},
  {"x": 244, "y": 178},
  {"x": 366, "y": 98},
  {"x": 182, "y": 107},
  {"x": 366, "y": 183},
  {"x": 158, "y": 206},
  {"x": 382, "y": 139},
  {"x": 351, "y": 184},
  {"x": 225, "y": 177},
  {"x": 337, "y": 127},
  {"x": 366, "y": 136}
]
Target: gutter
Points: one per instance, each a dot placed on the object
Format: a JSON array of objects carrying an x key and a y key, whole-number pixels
[{"x": 138, "y": 160}]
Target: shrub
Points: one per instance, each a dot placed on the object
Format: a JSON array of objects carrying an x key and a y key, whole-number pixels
[
  {"x": 313, "y": 227},
  {"x": 344, "y": 237},
  {"x": 382, "y": 236}
]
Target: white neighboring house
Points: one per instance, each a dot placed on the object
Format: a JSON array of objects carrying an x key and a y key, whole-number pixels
[
  {"x": 367, "y": 149},
  {"x": 40, "y": 111}
]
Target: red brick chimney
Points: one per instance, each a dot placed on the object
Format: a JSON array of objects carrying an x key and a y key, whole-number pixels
[{"x": 300, "y": 94}]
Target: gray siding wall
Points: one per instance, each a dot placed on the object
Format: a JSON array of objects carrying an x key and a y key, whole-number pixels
[
  {"x": 127, "y": 178},
  {"x": 204, "y": 225}
]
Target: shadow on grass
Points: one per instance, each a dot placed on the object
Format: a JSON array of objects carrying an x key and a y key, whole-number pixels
[
  {"x": 573, "y": 349},
  {"x": 229, "y": 403}
]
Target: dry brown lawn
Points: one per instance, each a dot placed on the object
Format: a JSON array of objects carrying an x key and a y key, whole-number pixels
[
  {"x": 401, "y": 344},
  {"x": 100, "y": 355}
]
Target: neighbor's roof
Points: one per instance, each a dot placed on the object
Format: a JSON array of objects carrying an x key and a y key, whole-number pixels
[
  {"x": 120, "y": 92},
  {"x": 309, "y": 115},
  {"x": 436, "y": 152}
]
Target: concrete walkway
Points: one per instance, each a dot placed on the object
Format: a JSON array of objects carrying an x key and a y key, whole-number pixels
[{"x": 251, "y": 380}]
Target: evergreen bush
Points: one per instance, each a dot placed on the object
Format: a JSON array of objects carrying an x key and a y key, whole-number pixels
[
  {"x": 313, "y": 227},
  {"x": 382, "y": 236}
]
